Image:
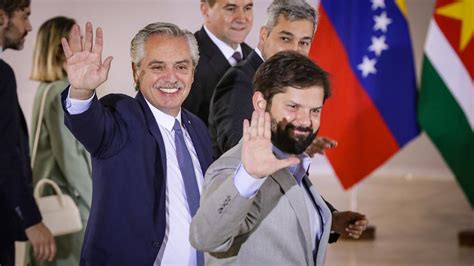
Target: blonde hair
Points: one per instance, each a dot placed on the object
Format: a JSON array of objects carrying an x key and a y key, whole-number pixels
[{"x": 48, "y": 55}]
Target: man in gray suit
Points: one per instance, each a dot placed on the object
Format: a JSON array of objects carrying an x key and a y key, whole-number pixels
[{"x": 258, "y": 205}]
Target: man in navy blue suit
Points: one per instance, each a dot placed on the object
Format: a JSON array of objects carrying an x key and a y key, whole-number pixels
[
  {"x": 20, "y": 218},
  {"x": 144, "y": 192}
]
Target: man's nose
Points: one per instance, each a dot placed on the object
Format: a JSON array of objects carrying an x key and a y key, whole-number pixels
[
  {"x": 170, "y": 75},
  {"x": 304, "y": 119},
  {"x": 239, "y": 15}
]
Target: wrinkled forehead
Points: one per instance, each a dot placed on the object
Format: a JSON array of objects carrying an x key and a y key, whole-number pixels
[{"x": 166, "y": 48}]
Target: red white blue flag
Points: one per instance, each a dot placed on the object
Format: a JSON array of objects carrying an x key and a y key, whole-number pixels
[{"x": 365, "y": 46}]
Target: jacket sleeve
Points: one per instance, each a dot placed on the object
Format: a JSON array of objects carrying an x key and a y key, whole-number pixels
[
  {"x": 101, "y": 129},
  {"x": 15, "y": 172},
  {"x": 224, "y": 215}
]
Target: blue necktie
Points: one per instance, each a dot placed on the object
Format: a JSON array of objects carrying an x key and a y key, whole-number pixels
[{"x": 189, "y": 177}]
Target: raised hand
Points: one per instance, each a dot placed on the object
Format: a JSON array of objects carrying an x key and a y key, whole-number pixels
[
  {"x": 84, "y": 65},
  {"x": 319, "y": 145},
  {"x": 257, "y": 155}
]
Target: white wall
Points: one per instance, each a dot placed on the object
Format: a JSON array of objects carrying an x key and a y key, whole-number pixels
[{"x": 121, "y": 19}]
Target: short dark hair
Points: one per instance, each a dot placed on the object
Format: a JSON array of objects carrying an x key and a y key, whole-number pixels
[
  {"x": 10, "y": 6},
  {"x": 289, "y": 69},
  {"x": 211, "y": 3}
]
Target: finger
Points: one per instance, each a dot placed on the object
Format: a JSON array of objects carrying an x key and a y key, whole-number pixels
[
  {"x": 35, "y": 249},
  {"x": 105, "y": 68},
  {"x": 246, "y": 130},
  {"x": 52, "y": 248},
  {"x": 47, "y": 251},
  {"x": 66, "y": 48},
  {"x": 88, "y": 37},
  {"x": 75, "y": 39},
  {"x": 280, "y": 164},
  {"x": 99, "y": 41},
  {"x": 363, "y": 222},
  {"x": 253, "y": 125},
  {"x": 261, "y": 124},
  {"x": 41, "y": 252},
  {"x": 268, "y": 126}
]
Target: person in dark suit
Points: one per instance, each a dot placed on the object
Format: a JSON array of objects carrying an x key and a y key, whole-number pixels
[
  {"x": 221, "y": 45},
  {"x": 290, "y": 26},
  {"x": 20, "y": 217},
  {"x": 148, "y": 154}
]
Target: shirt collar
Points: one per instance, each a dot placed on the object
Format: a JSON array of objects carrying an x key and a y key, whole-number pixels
[
  {"x": 226, "y": 50},
  {"x": 259, "y": 53},
  {"x": 163, "y": 119},
  {"x": 299, "y": 170}
]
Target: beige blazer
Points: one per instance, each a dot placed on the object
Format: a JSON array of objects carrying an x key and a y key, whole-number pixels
[{"x": 271, "y": 228}]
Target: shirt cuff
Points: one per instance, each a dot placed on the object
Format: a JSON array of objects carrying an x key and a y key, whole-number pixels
[
  {"x": 74, "y": 106},
  {"x": 247, "y": 185}
]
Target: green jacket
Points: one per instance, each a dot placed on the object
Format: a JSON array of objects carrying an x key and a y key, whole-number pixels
[{"x": 62, "y": 158}]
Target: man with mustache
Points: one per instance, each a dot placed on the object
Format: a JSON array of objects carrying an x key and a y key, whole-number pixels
[
  {"x": 221, "y": 45},
  {"x": 148, "y": 154},
  {"x": 258, "y": 205},
  {"x": 20, "y": 217}
]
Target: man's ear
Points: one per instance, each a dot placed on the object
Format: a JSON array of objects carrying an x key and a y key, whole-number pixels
[
  {"x": 3, "y": 19},
  {"x": 262, "y": 37},
  {"x": 204, "y": 9},
  {"x": 136, "y": 75},
  {"x": 259, "y": 103}
]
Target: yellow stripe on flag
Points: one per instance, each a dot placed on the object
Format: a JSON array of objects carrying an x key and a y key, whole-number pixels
[{"x": 403, "y": 7}]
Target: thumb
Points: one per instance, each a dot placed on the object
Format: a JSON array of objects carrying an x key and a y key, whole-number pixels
[
  {"x": 280, "y": 164},
  {"x": 106, "y": 66}
]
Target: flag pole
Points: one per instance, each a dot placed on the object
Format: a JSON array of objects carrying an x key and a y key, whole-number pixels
[
  {"x": 466, "y": 237},
  {"x": 369, "y": 233}
]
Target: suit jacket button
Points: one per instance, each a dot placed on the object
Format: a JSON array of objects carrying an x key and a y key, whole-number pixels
[{"x": 156, "y": 244}]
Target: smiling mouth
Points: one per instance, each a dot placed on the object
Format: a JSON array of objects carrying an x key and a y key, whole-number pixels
[{"x": 168, "y": 90}]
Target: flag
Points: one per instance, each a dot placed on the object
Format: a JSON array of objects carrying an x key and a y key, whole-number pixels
[
  {"x": 446, "y": 104},
  {"x": 365, "y": 46}
]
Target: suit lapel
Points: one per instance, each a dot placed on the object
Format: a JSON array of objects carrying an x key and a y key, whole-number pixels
[
  {"x": 327, "y": 221},
  {"x": 288, "y": 184},
  {"x": 153, "y": 129},
  {"x": 217, "y": 61}
]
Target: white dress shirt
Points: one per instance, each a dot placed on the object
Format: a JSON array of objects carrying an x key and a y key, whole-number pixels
[
  {"x": 176, "y": 249},
  {"x": 248, "y": 186},
  {"x": 225, "y": 49}
]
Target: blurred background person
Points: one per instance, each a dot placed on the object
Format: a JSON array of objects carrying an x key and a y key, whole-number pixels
[
  {"x": 20, "y": 218},
  {"x": 59, "y": 155}
]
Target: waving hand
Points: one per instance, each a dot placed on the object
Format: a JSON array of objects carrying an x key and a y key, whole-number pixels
[
  {"x": 257, "y": 155},
  {"x": 84, "y": 66}
]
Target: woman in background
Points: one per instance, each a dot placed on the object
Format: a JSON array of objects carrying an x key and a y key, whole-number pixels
[{"x": 59, "y": 155}]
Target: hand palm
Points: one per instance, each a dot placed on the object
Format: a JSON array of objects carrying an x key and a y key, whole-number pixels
[
  {"x": 84, "y": 70},
  {"x": 84, "y": 65},
  {"x": 257, "y": 154}
]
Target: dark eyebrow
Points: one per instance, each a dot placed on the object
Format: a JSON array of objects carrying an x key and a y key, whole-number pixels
[
  {"x": 185, "y": 61},
  {"x": 152, "y": 62},
  {"x": 284, "y": 32}
]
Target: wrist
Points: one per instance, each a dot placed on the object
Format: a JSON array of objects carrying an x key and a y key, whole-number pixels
[{"x": 80, "y": 94}]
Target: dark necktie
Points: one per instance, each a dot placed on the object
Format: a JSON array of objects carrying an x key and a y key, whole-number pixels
[
  {"x": 237, "y": 56},
  {"x": 189, "y": 177}
]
